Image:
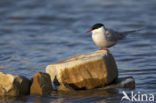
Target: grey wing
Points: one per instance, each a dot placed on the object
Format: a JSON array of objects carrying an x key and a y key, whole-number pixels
[{"x": 112, "y": 35}]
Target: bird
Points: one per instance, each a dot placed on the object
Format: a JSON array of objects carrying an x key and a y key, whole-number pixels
[{"x": 105, "y": 38}]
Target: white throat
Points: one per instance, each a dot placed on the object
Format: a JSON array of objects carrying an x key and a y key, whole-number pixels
[
  {"x": 99, "y": 31},
  {"x": 98, "y": 37}
]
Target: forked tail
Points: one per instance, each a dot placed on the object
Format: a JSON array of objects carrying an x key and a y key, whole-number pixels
[{"x": 125, "y": 33}]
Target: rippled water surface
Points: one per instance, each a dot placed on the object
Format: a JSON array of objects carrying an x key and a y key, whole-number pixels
[{"x": 35, "y": 33}]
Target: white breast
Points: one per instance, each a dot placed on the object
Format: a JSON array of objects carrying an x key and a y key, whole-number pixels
[{"x": 100, "y": 39}]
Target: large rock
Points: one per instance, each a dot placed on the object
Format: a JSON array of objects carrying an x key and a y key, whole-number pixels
[
  {"x": 84, "y": 71},
  {"x": 13, "y": 85},
  {"x": 41, "y": 84}
]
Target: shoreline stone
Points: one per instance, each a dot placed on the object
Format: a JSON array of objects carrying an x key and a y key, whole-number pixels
[
  {"x": 13, "y": 85},
  {"x": 41, "y": 84},
  {"x": 84, "y": 71},
  {"x": 80, "y": 72}
]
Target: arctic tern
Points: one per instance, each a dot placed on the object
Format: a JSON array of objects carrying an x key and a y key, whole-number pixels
[{"x": 106, "y": 38}]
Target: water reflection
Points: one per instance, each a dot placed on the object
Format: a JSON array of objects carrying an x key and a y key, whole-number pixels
[{"x": 67, "y": 96}]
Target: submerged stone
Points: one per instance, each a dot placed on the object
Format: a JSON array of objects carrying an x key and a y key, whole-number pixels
[
  {"x": 84, "y": 71},
  {"x": 125, "y": 82}
]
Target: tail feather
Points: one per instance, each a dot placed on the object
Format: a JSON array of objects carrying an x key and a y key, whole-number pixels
[{"x": 125, "y": 33}]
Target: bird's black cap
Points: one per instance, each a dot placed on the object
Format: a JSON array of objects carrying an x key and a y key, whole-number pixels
[{"x": 96, "y": 26}]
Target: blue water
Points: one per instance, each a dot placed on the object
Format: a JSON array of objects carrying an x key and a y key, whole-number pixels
[{"x": 35, "y": 33}]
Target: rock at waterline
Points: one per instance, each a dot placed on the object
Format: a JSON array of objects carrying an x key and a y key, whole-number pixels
[
  {"x": 124, "y": 82},
  {"x": 41, "y": 84},
  {"x": 13, "y": 85},
  {"x": 84, "y": 71}
]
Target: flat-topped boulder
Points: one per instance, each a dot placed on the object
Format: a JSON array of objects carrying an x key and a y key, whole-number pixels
[
  {"x": 13, "y": 85},
  {"x": 84, "y": 71}
]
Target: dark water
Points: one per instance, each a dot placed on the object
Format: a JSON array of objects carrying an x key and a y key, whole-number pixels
[{"x": 35, "y": 33}]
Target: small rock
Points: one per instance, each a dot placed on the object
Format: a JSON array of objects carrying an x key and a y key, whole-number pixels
[
  {"x": 84, "y": 71},
  {"x": 13, "y": 85},
  {"x": 41, "y": 84},
  {"x": 126, "y": 82}
]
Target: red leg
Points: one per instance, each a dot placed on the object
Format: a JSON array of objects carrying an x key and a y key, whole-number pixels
[{"x": 106, "y": 49}]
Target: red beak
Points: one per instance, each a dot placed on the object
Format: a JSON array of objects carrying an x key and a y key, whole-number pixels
[{"x": 89, "y": 31}]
